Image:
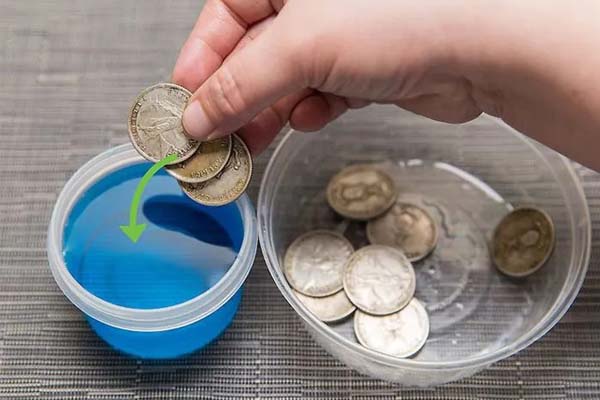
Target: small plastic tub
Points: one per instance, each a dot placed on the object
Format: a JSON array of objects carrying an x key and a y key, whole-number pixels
[{"x": 164, "y": 296}]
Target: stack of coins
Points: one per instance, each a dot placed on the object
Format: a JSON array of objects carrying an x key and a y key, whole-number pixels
[
  {"x": 377, "y": 282},
  {"x": 212, "y": 173}
]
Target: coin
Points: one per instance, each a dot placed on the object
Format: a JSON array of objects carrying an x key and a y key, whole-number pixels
[
  {"x": 361, "y": 192},
  {"x": 406, "y": 227},
  {"x": 329, "y": 308},
  {"x": 227, "y": 185},
  {"x": 379, "y": 279},
  {"x": 154, "y": 123},
  {"x": 400, "y": 334},
  {"x": 210, "y": 158},
  {"x": 522, "y": 242},
  {"x": 314, "y": 263}
]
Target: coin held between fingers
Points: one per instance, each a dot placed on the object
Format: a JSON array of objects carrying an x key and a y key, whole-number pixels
[{"x": 154, "y": 123}]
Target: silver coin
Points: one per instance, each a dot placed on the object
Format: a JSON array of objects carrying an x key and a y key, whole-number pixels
[
  {"x": 229, "y": 184},
  {"x": 523, "y": 242},
  {"x": 361, "y": 192},
  {"x": 314, "y": 263},
  {"x": 407, "y": 227},
  {"x": 400, "y": 334},
  {"x": 210, "y": 159},
  {"x": 154, "y": 123},
  {"x": 379, "y": 279},
  {"x": 329, "y": 308}
]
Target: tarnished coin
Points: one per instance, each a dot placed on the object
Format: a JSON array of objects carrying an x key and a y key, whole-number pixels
[
  {"x": 154, "y": 123},
  {"x": 379, "y": 279},
  {"x": 314, "y": 263},
  {"x": 522, "y": 242},
  {"x": 361, "y": 192},
  {"x": 227, "y": 185},
  {"x": 400, "y": 334},
  {"x": 210, "y": 159},
  {"x": 329, "y": 308},
  {"x": 406, "y": 227}
]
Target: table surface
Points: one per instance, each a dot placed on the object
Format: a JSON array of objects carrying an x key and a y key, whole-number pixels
[{"x": 68, "y": 72}]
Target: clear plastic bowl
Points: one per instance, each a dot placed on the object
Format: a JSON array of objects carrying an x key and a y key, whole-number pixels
[
  {"x": 468, "y": 176},
  {"x": 157, "y": 333}
]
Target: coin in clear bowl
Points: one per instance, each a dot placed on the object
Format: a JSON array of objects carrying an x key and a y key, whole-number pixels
[
  {"x": 314, "y": 263},
  {"x": 330, "y": 308},
  {"x": 522, "y": 242},
  {"x": 379, "y": 279},
  {"x": 400, "y": 334},
  {"x": 406, "y": 226},
  {"x": 361, "y": 192}
]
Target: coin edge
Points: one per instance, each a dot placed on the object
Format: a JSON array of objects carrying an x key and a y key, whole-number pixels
[{"x": 339, "y": 317}]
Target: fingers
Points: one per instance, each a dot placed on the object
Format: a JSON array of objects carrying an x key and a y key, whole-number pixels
[
  {"x": 261, "y": 130},
  {"x": 262, "y": 72},
  {"x": 441, "y": 108},
  {"x": 317, "y": 110},
  {"x": 452, "y": 102},
  {"x": 219, "y": 28},
  {"x": 252, "y": 33}
]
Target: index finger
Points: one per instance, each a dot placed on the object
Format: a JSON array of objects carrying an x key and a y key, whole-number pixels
[{"x": 220, "y": 26}]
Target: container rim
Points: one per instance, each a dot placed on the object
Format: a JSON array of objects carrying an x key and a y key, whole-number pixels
[
  {"x": 556, "y": 311},
  {"x": 133, "y": 319}
]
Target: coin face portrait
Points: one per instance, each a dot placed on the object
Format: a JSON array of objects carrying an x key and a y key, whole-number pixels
[
  {"x": 155, "y": 126},
  {"x": 361, "y": 192},
  {"x": 523, "y": 242},
  {"x": 400, "y": 334},
  {"x": 406, "y": 227},
  {"x": 379, "y": 280},
  {"x": 314, "y": 263}
]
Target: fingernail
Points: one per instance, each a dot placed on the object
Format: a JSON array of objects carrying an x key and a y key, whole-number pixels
[
  {"x": 195, "y": 122},
  {"x": 215, "y": 135}
]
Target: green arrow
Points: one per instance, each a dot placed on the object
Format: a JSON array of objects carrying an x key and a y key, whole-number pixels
[{"x": 135, "y": 230}]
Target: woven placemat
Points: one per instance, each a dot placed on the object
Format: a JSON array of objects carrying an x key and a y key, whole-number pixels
[{"x": 68, "y": 71}]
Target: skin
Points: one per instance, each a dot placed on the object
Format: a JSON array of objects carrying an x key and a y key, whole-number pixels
[{"x": 256, "y": 65}]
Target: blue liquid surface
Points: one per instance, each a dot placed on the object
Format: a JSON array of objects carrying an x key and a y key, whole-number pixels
[{"x": 185, "y": 249}]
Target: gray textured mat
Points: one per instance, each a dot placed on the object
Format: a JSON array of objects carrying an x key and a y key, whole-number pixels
[{"x": 68, "y": 71}]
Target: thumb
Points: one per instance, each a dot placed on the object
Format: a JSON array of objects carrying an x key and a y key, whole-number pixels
[{"x": 249, "y": 81}]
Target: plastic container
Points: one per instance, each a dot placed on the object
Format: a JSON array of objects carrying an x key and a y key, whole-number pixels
[
  {"x": 164, "y": 332},
  {"x": 467, "y": 176}
]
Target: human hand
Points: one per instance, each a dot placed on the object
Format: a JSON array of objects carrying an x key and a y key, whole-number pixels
[
  {"x": 256, "y": 65},
  {"x": 309, "y": 61}
]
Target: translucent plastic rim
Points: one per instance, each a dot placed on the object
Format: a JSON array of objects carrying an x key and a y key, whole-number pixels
[
  {"x": 143, "y": 320},
  {"x": 566, "y": 297}
]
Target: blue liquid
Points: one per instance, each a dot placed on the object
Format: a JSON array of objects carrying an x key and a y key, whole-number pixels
[{"x": 185, "y": 250}]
